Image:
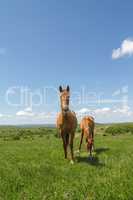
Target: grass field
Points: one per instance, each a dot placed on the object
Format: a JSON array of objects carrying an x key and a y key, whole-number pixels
[{"x": 32, "y": 166}]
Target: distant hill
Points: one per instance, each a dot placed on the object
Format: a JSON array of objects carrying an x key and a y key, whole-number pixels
[
  {"x": 28, "y": 126},
  {"x": 36, "y": 125}
]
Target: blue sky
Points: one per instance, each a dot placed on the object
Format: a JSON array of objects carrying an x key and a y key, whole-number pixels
[{"x": 48, "y": 43}]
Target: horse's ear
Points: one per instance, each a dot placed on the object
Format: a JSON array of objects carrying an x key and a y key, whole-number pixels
[
  {"x": 68, "y": 88},
  {"x": 60, "y": 89}
]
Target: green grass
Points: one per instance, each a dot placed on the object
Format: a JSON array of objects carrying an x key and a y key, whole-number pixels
[
  {"x": 122, "y": 128},
  {"x": 35, "y": 168}
]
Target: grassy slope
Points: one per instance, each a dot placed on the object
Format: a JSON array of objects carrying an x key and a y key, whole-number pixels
[{"x": 36, "y": 169}]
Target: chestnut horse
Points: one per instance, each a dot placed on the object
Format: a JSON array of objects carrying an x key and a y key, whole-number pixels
[
  {"x": 66, "y": 122},
  {"x": 87, "y": 129}
]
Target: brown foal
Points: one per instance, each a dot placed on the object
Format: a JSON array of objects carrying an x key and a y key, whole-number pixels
[
  {"x": 87, "y": 129},
  {"x": 66, "y": 122}
]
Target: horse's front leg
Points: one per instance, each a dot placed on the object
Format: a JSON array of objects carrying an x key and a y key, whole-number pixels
[
  {"x": 93, "y": 147},
  {"x": 64, "y": 145},
  {"x": 71, "y": 147},
  {"x": 90, "y": 150}
]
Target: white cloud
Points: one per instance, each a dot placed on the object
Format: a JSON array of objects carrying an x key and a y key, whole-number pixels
[
  {"x": 1, "y": 115},
  {"x": 125, "y": 110},
  {"x": 29, "y": 109},
  {"x": 125, "y": 49},
  {"x": 102, "y": 115},
  {"x": 29, "y": 114},
  {"x": 26, "y": 112},
  {"x": 102, "y": 110},
  {"x": 83, "y": 111},
  {"x": 116, "y": 93},
  {"x": 107, "y": 114},
  {"x": 5, "y": 116}
]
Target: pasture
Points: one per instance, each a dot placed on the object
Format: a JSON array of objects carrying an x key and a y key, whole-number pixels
[{"x": 32, "y": 166}]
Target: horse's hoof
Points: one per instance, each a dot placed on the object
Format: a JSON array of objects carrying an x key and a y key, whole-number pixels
[
  {"x": 90, "y": 158},
  {"x": 72, "y": 162}
]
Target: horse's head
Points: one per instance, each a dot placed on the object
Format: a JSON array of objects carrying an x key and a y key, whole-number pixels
[{"x": 64, "y": 98}]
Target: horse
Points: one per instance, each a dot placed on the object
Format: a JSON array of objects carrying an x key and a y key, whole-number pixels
[
  {"x": 87, "y": 129},
  {"x": 66, "y": 122}
]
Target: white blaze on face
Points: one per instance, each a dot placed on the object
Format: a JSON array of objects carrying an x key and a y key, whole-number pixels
[
  {"x": 65, "y": 106},
  {"x": 65, "y": 102}
]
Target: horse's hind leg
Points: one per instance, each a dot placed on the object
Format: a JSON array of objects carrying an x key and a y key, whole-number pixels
[
  {"x": 93, "y": 145},
  {"x": 82, "y": 134}
]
